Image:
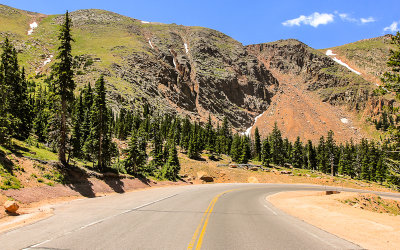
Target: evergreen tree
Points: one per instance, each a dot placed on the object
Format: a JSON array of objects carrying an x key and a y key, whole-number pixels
[
  {"x": 266, "y": 153},
  {"x": 9, "y": 83},
  {"x": 276, "y": 143},
  {"x": 311, "y": 156},
  {"x": 236, "y": 149},
  {"x": 171, "y": 168},
  {"x": 209, "y": 134},
  {"x": 136, "y": 160},
  {"x": 331, "y": 150},
  {"x": 77, "y": 137},
  {"x": 392, "y": 77},
  {"x": 297, "y": 159},
  {"x": 157, "y": 151},
  {"x": 257, "y": 145},
  {"x": 246, "y": 152},
  {"x": 322, "y": 156},
  {"x": 98, "y": 143},
  {"x": 64, "y": 85}
]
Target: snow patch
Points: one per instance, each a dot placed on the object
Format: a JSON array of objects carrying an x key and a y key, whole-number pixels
[
  {"x": 330, "y": 53},
  {"x": 344, "y": 120},
  {"x": 186, "y": 48},
  {"x": 248, "y": 131},
  {"x": 144, "y": 22},
  {"x": 151, "y": 45},
  {"x": 33, "y": 26},
  {"x": 48, "y": 60},
  {"x": 173, "y": 60}
]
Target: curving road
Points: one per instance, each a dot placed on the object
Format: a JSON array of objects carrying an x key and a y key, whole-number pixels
[{"x": 215, "y": 216}]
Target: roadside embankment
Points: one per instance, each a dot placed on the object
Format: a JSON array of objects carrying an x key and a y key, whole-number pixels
[{"x": 335, "y": 214}]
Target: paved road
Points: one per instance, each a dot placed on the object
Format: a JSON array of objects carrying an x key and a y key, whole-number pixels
[{"x": 216, "y": 216}]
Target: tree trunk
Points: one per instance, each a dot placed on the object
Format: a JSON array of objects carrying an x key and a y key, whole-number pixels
[
  {"x": 63, "y": 132},
  {"x": 101, "y": 141}
]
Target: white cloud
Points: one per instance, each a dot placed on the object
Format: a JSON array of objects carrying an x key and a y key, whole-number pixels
[
  {"x": 346, "y": 17},
  {"x": 367, "y": 20},
  {"x": 317, "y": 19},
  {"x": 314, "y": 20},
  {"x": 392, "y": 28}
]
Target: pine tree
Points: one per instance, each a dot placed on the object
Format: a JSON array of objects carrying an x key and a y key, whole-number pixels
[
  {"x": 257, "y": 145},
  {"x": 87, "y": 106},
  {"x": 266, "y": 153},
  {"x": 246, "y": 152},
  {"x": 276, "y": 144},
  {"x": 322, "y": 156},
  {"x": 171, "y": 168},
  {"x": 136, "y": 160},
  {"x": 77, "y": 136},
  {"x": 9, "y": 82},
  {"x": 297, "y": 159},
  {"x": 157, "y": 151},
  {"x": 331, "y": 150},
  {"x": 209, "y": 134},
  {"x": 392, "y": 77},
  {"x": 311, "y": 156},
  {"x": 99, "y": 141},
  {"x": 64, "y": 85},
  {"x": 236, "y": 149},
  {"x": 24, "y": 108},
  {"x": 391, "y": 81}
]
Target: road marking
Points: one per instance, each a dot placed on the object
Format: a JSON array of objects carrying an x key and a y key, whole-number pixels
[
  {"x": 205, "y": 218},
  {"x": 270, "y": 209},
  {"x": 99, "y": 221}
]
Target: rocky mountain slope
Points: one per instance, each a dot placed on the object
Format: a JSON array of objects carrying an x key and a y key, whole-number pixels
[
  {"x": 198, "y": 72},
  {"x": 192, "y": 70}
]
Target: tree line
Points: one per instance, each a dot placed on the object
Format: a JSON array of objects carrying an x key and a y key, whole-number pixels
[{"x": 83, "y": 126}]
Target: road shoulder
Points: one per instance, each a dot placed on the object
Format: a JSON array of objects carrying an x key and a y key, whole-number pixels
[{"x": 368, "y": 229}]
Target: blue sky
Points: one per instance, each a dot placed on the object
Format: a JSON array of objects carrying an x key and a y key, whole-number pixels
[{"x": 318, "y": 23}]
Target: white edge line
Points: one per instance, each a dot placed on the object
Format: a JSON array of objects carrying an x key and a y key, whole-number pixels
[
  {"x": 270, "y": 209},
  {"x": 99, "y": 221}
]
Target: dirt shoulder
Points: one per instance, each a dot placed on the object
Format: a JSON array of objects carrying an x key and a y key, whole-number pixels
[{"x": 368, "y": 229}]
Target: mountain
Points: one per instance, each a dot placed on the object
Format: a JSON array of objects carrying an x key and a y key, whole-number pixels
[{"x": 199, "y": 72}]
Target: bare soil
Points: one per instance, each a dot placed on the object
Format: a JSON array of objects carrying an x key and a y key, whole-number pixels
[
  {"x": 371, "y": 230},
  {"x": 299, "y": 112}
]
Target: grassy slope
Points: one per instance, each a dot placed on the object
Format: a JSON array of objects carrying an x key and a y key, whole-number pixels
[{"x": 369, "y": 55}]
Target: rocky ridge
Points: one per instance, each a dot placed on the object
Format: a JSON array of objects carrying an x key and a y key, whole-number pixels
[{"x": 195, "y": 71}]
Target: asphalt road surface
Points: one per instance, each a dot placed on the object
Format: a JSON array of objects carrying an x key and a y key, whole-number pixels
[{"x": 215, "y": 216}]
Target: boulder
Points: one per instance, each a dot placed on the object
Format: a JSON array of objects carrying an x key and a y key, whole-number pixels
[
  {"x": 254, "y": 168},
  {"x": 286, "y": 172},
  {"x": 207, "y": 178},
  {"x": 11, "y": 206},
  {"x": 232, "y": 166},
  {"x": 331, "y": 192}
]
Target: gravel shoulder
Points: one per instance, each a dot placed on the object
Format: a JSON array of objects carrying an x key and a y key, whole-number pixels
[{"x": 368, "y": 229}]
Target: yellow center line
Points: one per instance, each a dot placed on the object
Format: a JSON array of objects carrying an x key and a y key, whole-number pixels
[{"x": 206, "y": 216}]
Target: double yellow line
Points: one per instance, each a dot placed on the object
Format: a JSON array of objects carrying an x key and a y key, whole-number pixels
[{"x": 204, "y": 222}]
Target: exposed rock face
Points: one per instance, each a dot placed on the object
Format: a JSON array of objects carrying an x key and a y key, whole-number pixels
[
  {"x": 334, "y": 83},
  {"x": 205, "y": 80}
]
